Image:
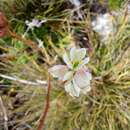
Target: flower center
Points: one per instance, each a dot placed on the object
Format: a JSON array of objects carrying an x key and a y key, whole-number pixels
[{"x": 75, "y": 64}]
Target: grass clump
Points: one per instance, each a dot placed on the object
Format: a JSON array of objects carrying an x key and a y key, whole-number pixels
[{"x": 106, "y": 107}]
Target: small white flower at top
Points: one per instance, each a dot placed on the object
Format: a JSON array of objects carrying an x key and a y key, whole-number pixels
[
  {"x": 34, "y": 23},
  {"x": 75, "y": 74},
  {"x": 104, "y": 25}
]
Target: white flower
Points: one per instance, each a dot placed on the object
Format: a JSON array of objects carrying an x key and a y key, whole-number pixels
[
  {"x": 34, "y": 23},
  {"x": 103, "y": 25},
  {"x": 75, "y": 74}
]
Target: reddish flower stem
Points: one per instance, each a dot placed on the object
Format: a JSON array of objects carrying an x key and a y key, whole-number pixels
[
  {"x": 43, "y": 117},
  {"x": 28, "y": 42}
]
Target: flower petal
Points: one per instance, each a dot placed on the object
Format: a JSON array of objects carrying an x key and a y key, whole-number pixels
[
  {"x": 26, "y": 22},
  {"x": 83, "y": 63},
  {"x": 35, "y": 22},
  {"x": 58, "y": 71},
  {"x": 72, "y": 89},
  {"x": 76, "y": 89},
  {"x": 73, "y": 54},
  {"x": 82, "y": 78},
  {"x": 86, "y": 90},
  {"x": 68, "y": 76},
  {"x": 67, "y": 60},
  {"x": 86, "y": 60},
  {"x": 81, "y": 53},
  {"x": 68, "y": 88},
  {"x": 77, "y": 54}
]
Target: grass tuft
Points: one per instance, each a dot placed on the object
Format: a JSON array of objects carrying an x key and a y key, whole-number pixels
[{"x": 106, "y": 107}]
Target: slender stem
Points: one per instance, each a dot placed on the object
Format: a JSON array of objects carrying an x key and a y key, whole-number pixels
[
  {"x": 43, "y": 117},
  {"x": 36, "y": 83},
  {"x": 26, "y": 32}
]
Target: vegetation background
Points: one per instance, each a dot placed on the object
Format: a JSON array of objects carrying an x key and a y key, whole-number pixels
[{"x": 106, "y": 107}]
